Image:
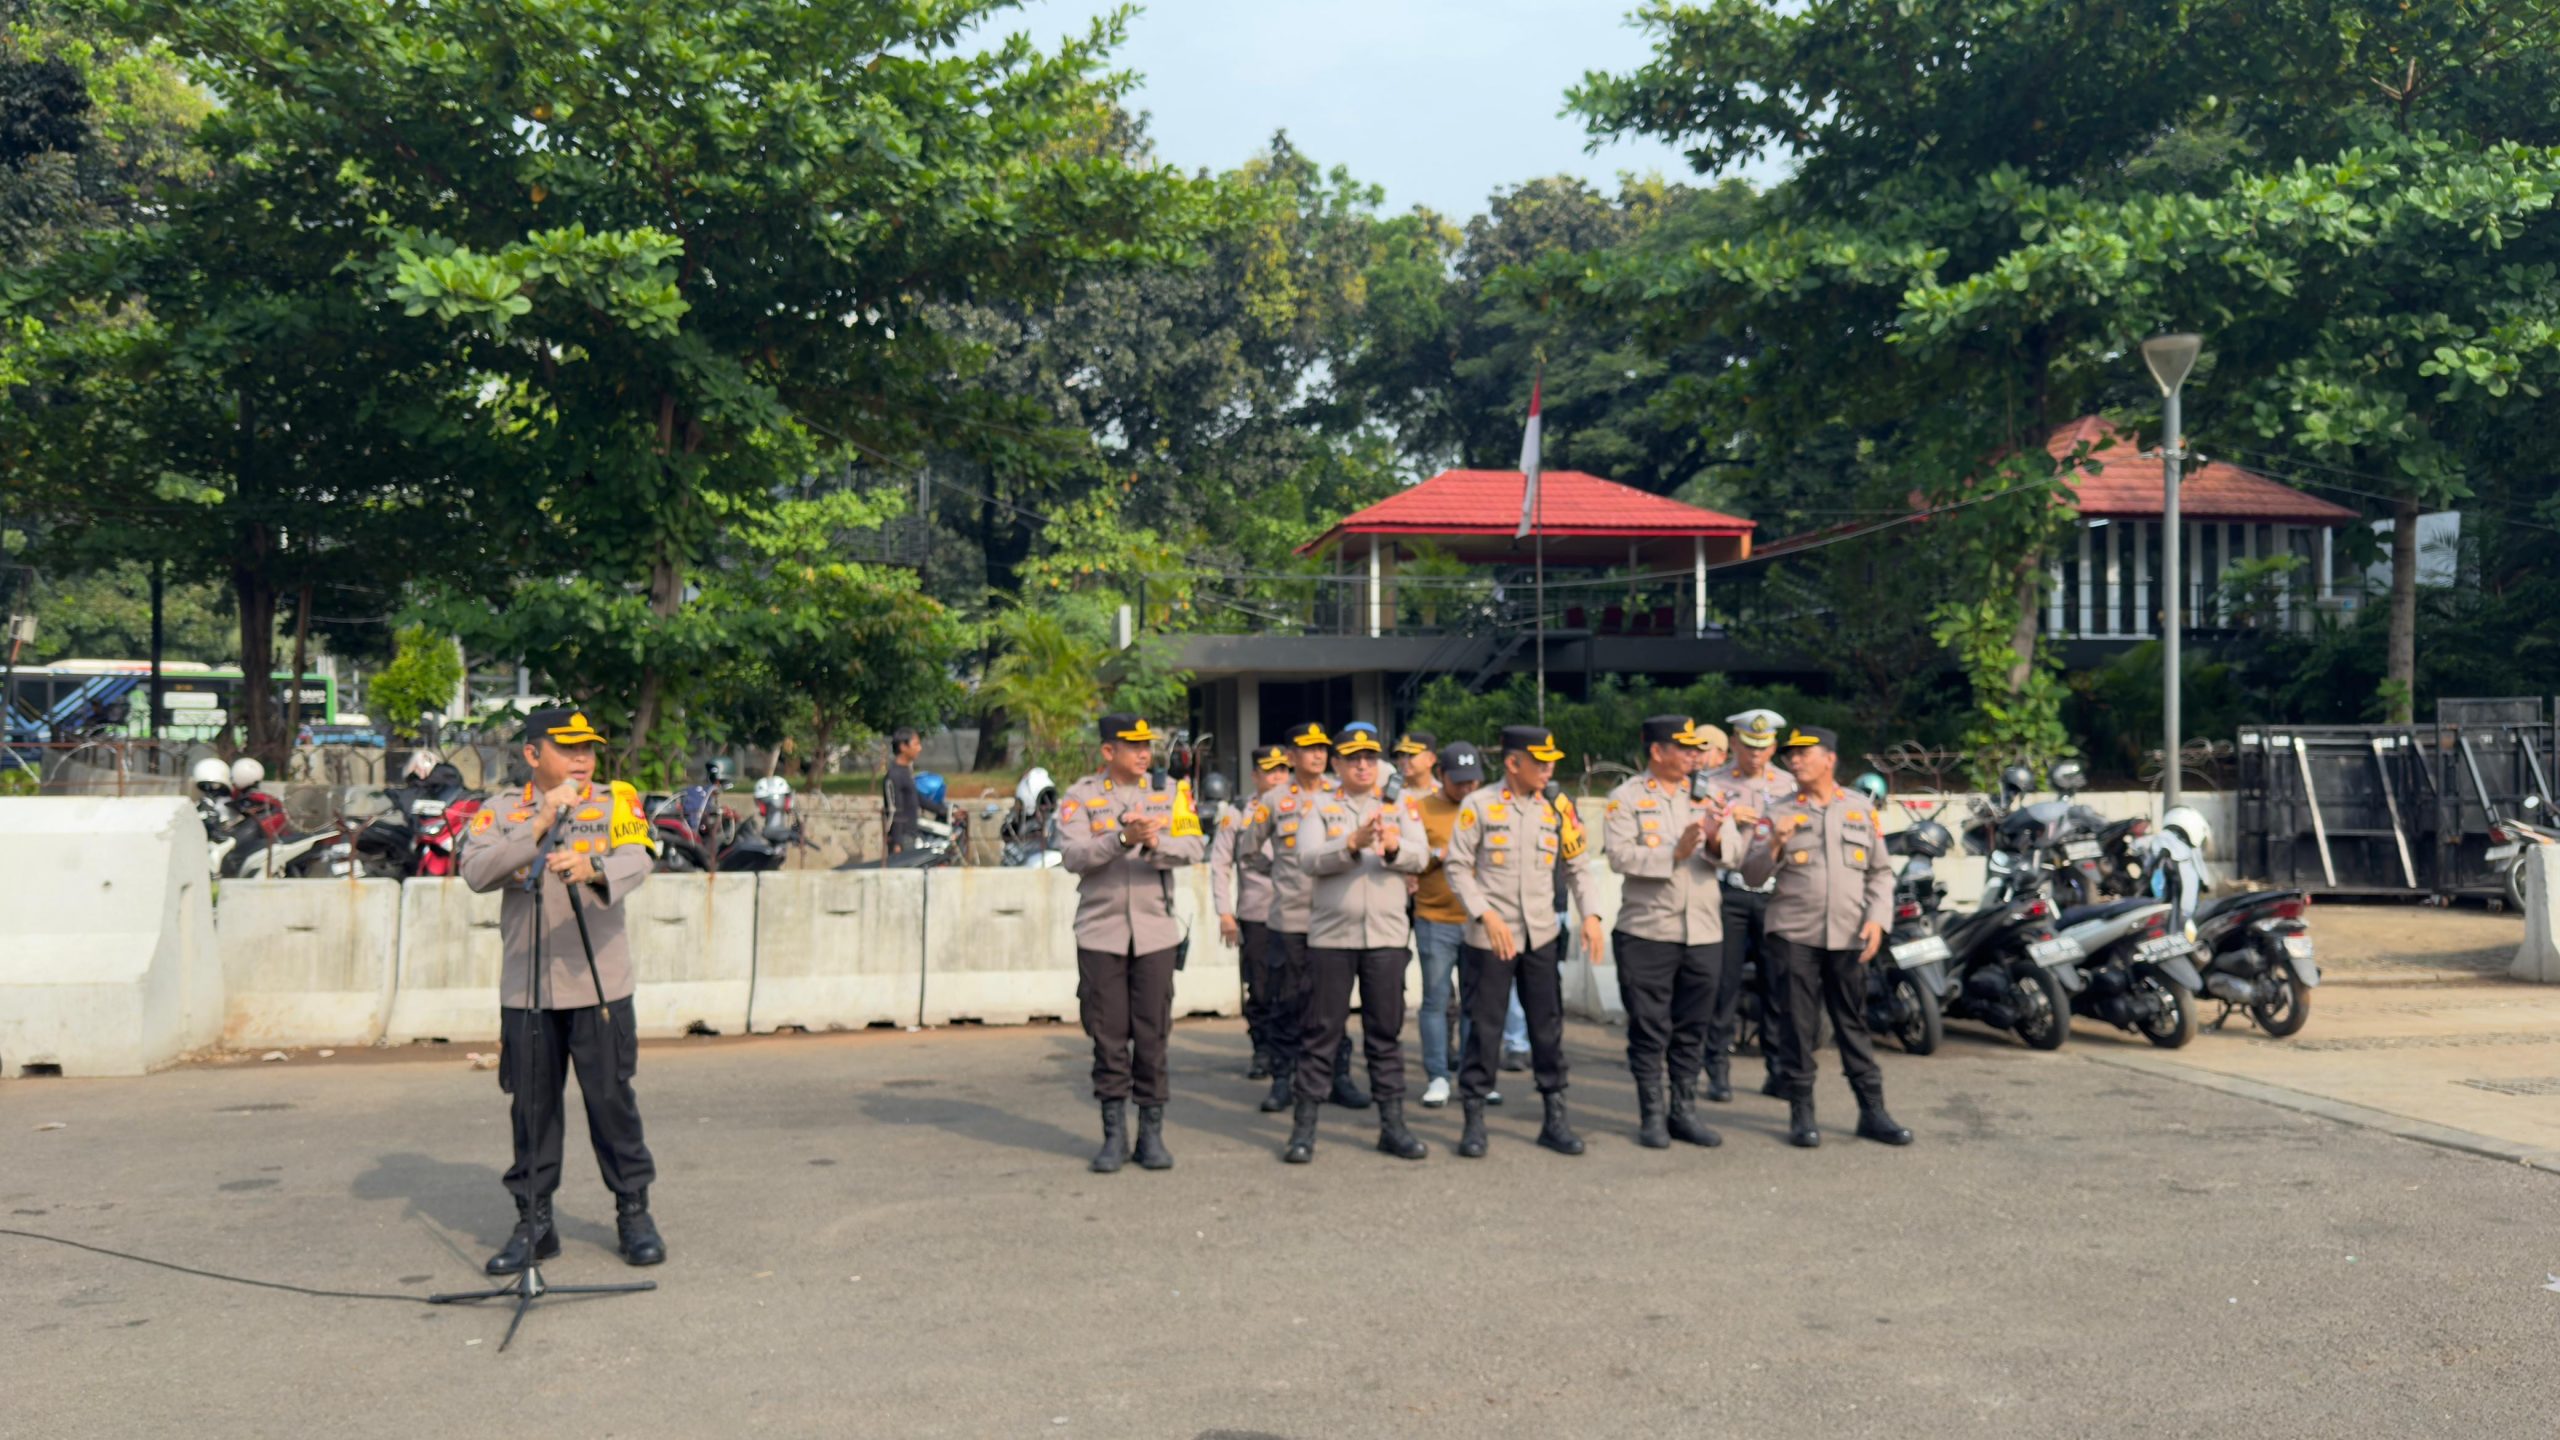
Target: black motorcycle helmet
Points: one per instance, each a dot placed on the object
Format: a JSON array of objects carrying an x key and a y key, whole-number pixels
[
  {"x": 2017, "y": 779},
  {"x": 2068, "y": 777},
  {"x": 1928, "y": 838}
]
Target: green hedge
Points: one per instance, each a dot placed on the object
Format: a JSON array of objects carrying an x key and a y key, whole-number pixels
[{"x": 1607, "y": 726}]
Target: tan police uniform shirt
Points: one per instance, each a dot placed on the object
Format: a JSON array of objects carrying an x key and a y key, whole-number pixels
[
  {"x": 1359, "y": 899},
  {"x": 1663, "y": 897},
  {"x": 1237, "y": 887},
  {"x": 1831, "y": 872},
  {"x": 501, "y": 850},
  {"x": 1763, "y": 792},
  {"x": 1278, "y": 825},
  {"x": 1124, "y": 892},
  {"x": 1503, "y": 854}
]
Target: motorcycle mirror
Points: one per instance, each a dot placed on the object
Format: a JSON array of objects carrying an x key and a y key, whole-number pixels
[{"x": 2533, "y": 802}]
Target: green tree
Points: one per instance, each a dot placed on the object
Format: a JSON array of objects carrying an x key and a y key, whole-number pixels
[
  {"x": 676, "y": 257},
  {"x": 425, "y": 670}
]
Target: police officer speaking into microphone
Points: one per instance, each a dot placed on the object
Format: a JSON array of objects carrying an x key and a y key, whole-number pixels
[
  {"x": 1668, "y": 848},
  {"x": 1122, "y": 837},
  {"x": 558, "y": 997},
  {"x": 1829, "y": 910},
  {"x": 1504, "y": 852}
]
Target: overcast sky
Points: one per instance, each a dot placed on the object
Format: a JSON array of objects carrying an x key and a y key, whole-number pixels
[{"x": 1439, "y": 101}]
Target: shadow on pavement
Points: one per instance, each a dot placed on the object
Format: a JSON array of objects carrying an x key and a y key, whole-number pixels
[
  {"x": 977, "y": 1122},
  {"x": 461, "y": 1199}
]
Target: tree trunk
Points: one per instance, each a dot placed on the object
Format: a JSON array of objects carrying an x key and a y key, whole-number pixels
[
  {"x": 666, "y": 594},
  {"x": 254, "y": 588},
  {"x": 2400, "y": 665},
  {"x": 2022, "y": 634},
  {"x": 991, "y": 727}
]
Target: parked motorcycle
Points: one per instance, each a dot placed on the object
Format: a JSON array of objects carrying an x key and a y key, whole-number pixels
[
  {"x": 2002, "y": 965},
  {"x": 2259, "y": 957},
  {"x": 1907, "y": 980},
  {"x": 2512, "y": 841},
  {"x": 764, "y": 842},
  {"x": 419, "y": 833},
  {"x": 1030, "y": 832},
  {"x": 247, "y": 829},
  {"x": 2133, "y": 969}
]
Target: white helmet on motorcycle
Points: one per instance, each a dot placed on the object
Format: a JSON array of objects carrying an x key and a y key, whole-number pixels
[
  {"x": 1035, "y": 790},
  {"x": 772, "y": 790},
  {"x": 211, "y": 776},
  {"x": 246, "y": 772},
  {"x": 2190, "y": 823},
  {"x": 421, "y": 765}
]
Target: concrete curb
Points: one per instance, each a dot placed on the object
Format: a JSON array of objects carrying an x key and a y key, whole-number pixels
[{"x": 2363, "y": 1117}]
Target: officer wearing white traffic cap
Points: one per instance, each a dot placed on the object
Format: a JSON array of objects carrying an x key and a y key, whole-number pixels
[{"x": 1749, "y": 785}]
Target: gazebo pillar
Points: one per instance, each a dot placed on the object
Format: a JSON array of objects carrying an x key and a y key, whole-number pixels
[
  {"x": 1698, "y": 562},
  {"x": 1376, "y": 610}
]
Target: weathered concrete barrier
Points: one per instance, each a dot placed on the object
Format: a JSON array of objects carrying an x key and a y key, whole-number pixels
[
  {"x": 838, "y": 950},
  {"x": 999, "y": 945},
  {"x": 693, "y": 953},
  {"x": 108, "y": 960},
  {"x": 447, "y": 985},
  {"x": 2538, "y": 958},
  {"x": 307, "y": 962}
]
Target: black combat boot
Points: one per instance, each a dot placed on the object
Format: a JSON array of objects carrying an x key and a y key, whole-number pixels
[
  {"x": 534, "y": 1240},
  {"x": 638, "y": 1233},
  {"x": 1393, "y": 1138},
  {"x": 1773, "y": 1087},
  {"x": 1649, "y": 1131},
  {"x": 1801, "y": 1130},
  {"x": 1260, "y": 1069},
  {"x": 1471, "y": 1139},
  {"x": 1346, "y": 1091},
  {"x": 1685, "y": 1124},
  {"x": 1278, "y": 1099},
  {"x": 1151, "y": 1152},
  {"x": 1874, "y": 1124},
  {"x": 1302, "y": 1133},
  {"x": 1720, "y": 1080},
  {"x": 1557, "y": 1134},
  {"x": 1115, "y": 1138}
]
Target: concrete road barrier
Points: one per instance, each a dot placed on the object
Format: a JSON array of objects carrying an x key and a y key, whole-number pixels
[
  {"x": 838, "y": 949},
  {"x": 447, "y": 987},
  {"x": 109, "y": 964},
  {"x": 2538, "y": 958},
  {"x": 999, "y": 945},
  {"x": 693, "y": 953},
  {"x": 307, "y": 962}
]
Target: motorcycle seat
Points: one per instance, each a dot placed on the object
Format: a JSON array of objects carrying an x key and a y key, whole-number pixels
[
  {"x": 2221, "y": 904},
  {"x": 2082, "y": 914}
]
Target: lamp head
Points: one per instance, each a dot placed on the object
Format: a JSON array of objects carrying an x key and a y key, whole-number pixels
[{"x": 2170, "y": 358}]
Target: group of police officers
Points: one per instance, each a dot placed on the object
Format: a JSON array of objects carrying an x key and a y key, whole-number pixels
[
  {"x": 1732, "y": 852},
  {"x": 1318, "y": 881}
]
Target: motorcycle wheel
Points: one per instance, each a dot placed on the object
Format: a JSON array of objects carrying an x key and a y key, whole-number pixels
[
  {"x": 2175, "y": 1022},
  {"x": 1922, "y": 1027},
  {"x": 2515, "y": 879},
  {"x": 2290, "y": 1010},
  {"x": 2048, "y": 1021}
]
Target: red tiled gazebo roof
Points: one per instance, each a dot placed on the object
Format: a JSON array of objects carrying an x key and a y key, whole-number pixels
[
  {"x": 2127, "y": 485},
  {"x": 1480, "y": 509}
]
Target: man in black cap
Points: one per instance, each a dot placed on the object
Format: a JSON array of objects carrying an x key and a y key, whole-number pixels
[
  {"x": 1828, "y": 913},
  {"x": 1122, "y": 837},
  {"x": 1669, "y": 848},
  {"x": 557, "y": 996},
  {"x": 1278, "y": 825},
  {"x": 1504, "y": 852}
]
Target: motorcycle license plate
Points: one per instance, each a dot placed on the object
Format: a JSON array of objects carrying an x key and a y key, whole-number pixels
[
  {"x": 2165, "y": 947},
  {"x": 2060, "y": 950},
  {"x": 2080, "y": 850},
  {"x": 2501, "y": 852},
  {"x": 1921, "y": 951}
]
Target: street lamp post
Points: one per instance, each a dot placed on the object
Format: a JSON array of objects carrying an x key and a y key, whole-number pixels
[{"x": 2170, "y": 357}]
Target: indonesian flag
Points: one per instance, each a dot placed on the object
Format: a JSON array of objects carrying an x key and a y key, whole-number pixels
[{"x": 1529, "y": 464}]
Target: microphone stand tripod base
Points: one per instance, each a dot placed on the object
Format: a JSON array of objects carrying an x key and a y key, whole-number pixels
[{"x": 528, "y": 1288}]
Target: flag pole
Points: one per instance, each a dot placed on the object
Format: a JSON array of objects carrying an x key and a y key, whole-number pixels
[
  {"x": 1530, "y": 514},
  {"x": 1541, "y": 540}
]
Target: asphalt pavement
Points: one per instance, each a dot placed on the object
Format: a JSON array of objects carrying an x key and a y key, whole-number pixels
[{"x": 894, "y": 1235}]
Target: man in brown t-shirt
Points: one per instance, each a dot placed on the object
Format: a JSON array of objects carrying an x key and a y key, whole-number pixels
[{"x": 1439, "y": 921}]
